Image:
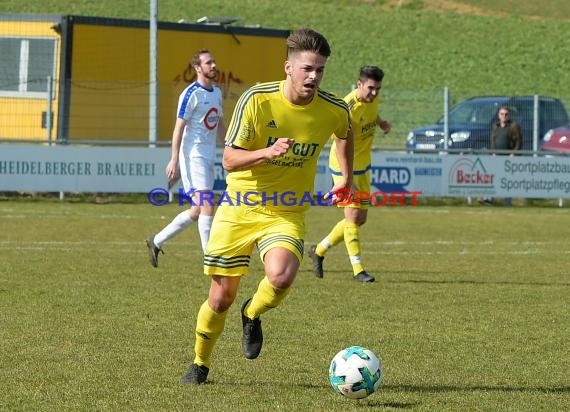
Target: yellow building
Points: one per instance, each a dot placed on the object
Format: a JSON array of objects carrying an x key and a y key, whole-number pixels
[{"x": 100, "y": 72}]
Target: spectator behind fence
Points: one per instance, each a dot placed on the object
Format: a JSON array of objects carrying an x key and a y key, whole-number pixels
[{"x": 505, "y": 136}]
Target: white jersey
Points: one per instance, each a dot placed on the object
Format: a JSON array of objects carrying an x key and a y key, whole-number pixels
[{"x": 202, "y": 110}]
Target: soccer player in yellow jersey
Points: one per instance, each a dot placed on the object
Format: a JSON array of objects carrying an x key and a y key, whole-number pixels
[
  {"x": 363, "y": 104},
  {"x": 272, "y": 145}
]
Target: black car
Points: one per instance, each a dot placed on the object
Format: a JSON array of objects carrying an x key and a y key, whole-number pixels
[{"x": 471, "y": 120}]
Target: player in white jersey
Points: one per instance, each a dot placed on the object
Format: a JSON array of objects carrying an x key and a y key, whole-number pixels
[{"x": 198, "y": 124}]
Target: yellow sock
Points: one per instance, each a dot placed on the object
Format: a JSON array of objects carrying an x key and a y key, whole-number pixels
[
  {"x": 332, "y": 239},
  {"x": 352, "y": 242},
  {"x": 267, "y": 297},
  {"x": 209, "y": 327}
]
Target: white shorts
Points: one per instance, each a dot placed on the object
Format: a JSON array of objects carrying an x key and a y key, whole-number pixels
[{"x": 197, "y": 173}]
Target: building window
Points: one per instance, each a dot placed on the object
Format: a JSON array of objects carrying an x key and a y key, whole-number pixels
[{"x": 25, "y": 66}]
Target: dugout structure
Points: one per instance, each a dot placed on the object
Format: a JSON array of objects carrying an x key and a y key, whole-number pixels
[{"x": 100, "y": 73}]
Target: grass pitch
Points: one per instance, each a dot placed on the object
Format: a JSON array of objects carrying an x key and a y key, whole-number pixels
[{"x": 469, "y": 312}]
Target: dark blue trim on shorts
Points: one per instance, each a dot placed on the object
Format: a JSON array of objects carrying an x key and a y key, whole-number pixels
[
  {"x": 354, "y": 172},
  {"x": 227, "y": 263}
]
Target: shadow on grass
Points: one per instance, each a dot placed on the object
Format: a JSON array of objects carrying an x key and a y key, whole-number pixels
[
  {"x": 479, "y": 282},
  {"x": 374, "y": 402},
  {"x": 378, "y": 403},
  {"x": 466, "y": 388},
  {"x": 452, "y": 388},
  {"x": 389, "y": 279}
]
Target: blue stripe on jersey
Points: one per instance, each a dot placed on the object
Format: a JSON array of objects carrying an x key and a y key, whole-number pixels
[
  {"x": 271, "y": 87},
  {"x": 354, "y": 172},
  {"x": 187, "y": 96}
]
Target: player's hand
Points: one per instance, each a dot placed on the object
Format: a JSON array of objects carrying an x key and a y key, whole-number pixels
[
  {"x": 385, "y": 126},
  {"x": 172, "y": 170},
  {"x": 172, "y": 173},
  {"x": 340, "y": 192},
  {"x": 280, "y": 147}
]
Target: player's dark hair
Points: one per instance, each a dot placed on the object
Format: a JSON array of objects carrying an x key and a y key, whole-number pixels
[
  {"x": 196, "y": 58},
  {"x": 307, "y": 40},
  {"x": 371, "y": 72}
]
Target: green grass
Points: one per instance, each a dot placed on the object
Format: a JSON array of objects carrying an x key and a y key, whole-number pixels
[
  {"x": 523, "y": 49},
  {"x": 470, "y": 308},
  {"x": 535, "y": 9},
  {"x": 469, "y": 313}
]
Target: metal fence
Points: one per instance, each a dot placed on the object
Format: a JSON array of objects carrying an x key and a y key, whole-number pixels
[{"x": 118, "y": 112}]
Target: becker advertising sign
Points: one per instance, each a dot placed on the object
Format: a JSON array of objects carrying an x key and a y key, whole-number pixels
[{"x": 469, "y": 176}]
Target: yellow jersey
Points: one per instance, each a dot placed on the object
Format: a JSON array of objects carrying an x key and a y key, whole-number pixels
[
  {"x": 261, "y": 116},
  {"x": 363, "y": 116}
]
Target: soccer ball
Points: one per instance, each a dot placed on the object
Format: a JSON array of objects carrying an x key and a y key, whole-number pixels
[{"x": 355, "y": 372}]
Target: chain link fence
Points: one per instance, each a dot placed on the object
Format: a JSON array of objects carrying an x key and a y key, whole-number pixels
[{"x": 90, "y": 112}]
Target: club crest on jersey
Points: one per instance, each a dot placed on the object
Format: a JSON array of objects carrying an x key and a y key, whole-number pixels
[{"x": 211, "y": 119}]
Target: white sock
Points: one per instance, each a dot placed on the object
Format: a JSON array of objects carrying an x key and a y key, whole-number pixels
[
  {"x": 325, "y": 243},
  {"x": 178, "y": 224},
  {"x": 204, "y": 226}
]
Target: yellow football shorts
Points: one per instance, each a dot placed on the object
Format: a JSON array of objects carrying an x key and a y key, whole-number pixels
[
  {"x": 237, "y": 229},
  {"x": 361, "y": 190}
]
